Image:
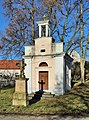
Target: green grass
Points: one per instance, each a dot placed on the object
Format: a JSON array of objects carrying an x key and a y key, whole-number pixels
[{"x": 75, "y": 101}]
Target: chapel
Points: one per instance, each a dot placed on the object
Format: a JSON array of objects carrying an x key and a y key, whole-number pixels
[{"x": 48, "y": 67}]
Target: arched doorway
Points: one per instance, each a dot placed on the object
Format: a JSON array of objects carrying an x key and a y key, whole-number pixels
[{"x": 43, "y": 77}]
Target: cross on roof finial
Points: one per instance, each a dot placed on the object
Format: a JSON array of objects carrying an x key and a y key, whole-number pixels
[{"x": 45, "y": 17}]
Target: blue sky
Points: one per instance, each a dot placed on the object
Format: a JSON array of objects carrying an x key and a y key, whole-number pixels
[{"x": 3, "y": 20}]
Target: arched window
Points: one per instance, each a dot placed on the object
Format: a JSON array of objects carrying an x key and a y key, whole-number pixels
[{"x": 43, "y": 64}]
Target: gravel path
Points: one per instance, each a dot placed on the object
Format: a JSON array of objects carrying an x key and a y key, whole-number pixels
[{"x": 25, "y": 117}]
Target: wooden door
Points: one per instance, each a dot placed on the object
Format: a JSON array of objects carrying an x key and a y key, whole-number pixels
[{"x": 43, "y": 76}]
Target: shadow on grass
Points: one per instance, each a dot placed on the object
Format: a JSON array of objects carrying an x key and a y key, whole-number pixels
[{"x": 36, "y": 97}]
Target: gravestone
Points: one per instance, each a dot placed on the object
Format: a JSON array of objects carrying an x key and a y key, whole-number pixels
[{"x": 19, "y": 96}]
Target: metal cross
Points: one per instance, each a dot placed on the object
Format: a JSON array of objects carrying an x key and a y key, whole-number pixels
[{"x": 42, "y": 83}]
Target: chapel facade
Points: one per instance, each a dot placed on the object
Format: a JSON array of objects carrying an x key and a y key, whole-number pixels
[{"x": 48, "y": 67}]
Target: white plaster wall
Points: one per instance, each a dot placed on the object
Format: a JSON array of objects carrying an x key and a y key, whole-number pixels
[
  {"x": 29, "y": 50},
  {"x": 59, "y": 75},
  {"x": 58, "y": 47},
  {"x": 69, "y": 78},
  {"x": 43, "y": 43},
  {"x": 28, "y": 74},
  {"x": 68, "y": 81}
]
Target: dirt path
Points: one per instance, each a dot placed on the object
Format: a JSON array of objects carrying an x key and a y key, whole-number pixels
[{"x": 55, "y": 117}]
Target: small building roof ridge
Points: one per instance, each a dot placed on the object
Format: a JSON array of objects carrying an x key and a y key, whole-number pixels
[{"x": 9, "y": 64}]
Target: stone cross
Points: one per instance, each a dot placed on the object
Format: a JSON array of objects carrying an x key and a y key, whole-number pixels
[
  {"x": 21, "y": 65},
  {"x": 42, "y": 83}
]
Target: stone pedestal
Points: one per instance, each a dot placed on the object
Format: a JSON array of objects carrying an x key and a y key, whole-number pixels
[{"x": 19, "y": 97}]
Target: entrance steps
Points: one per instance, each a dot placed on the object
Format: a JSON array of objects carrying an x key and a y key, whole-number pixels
[
  {"x": 47, "y": 95},
  {"x": 40, "y": 95},
  {"x": 35, "y": 95}
]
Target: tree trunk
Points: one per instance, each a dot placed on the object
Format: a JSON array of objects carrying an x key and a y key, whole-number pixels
[
  {"x": 33, "y": 25},
  {"x": 82, "y": 68},
  {"x": 82, "y": 60}
]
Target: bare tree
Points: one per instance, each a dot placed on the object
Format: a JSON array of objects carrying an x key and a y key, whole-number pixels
[
  {"x": 63, "y": 20},
  {"x": 84, "y": 36},
  {"x": 21, "y": 27},
  {"x": 70, "y": 23}
]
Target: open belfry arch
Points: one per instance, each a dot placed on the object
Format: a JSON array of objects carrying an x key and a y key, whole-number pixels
[
  {"x": 46, "y": 64},
  {"x": 44, "y": 30}
]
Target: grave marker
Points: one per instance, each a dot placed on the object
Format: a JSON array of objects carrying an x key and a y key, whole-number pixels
[{"x": 20, "y": 97}]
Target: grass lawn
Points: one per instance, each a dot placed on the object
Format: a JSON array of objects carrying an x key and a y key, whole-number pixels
[{"x": 75, "y": 101}]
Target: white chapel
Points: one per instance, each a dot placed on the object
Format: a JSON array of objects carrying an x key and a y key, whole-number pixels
[{"x": 48, "y": 67}]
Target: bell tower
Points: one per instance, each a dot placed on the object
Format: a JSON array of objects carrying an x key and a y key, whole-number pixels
[{"x": 44, "y": 28}]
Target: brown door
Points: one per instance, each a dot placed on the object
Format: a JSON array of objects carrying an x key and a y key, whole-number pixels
[{"x": 43, "y": 76}]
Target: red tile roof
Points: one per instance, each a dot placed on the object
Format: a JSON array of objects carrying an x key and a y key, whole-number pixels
[{"x": 9, "y": 64}]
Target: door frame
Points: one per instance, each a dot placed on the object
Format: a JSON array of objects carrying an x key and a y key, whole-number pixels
[{"x": 47, "y": 79}]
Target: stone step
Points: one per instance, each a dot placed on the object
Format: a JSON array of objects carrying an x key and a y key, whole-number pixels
[
  {"x": 34, "y": 96},
  {"x": 30, "y": 96},
  {"x": 47, "y": 96},
  {"x": 40, "y": 95},
  {"x": 51, "y": 95},
  {"x": 48, "y": 93}
]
